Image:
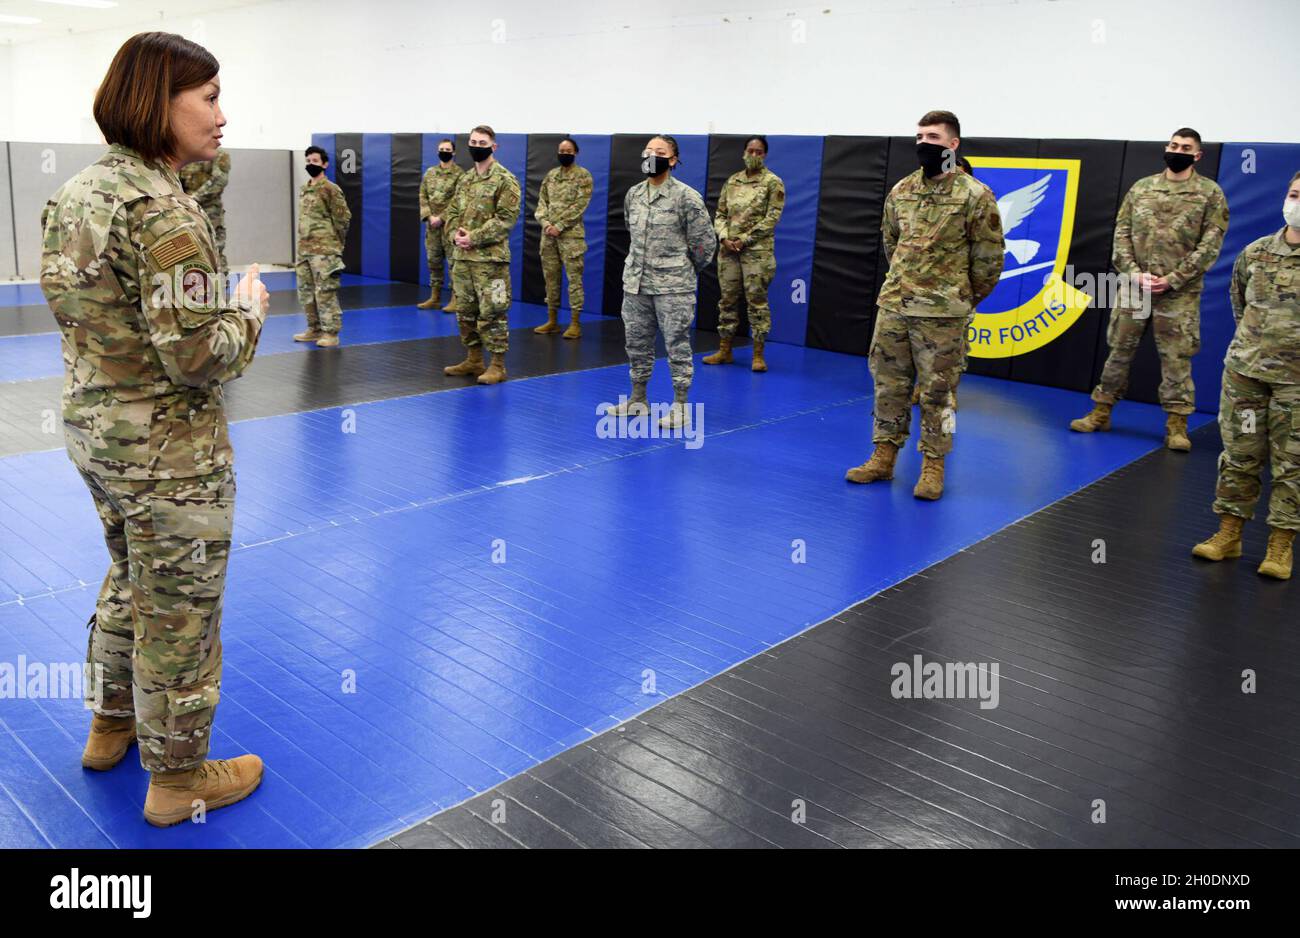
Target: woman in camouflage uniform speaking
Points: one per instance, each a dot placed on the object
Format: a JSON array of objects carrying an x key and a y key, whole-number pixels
[{"x": 130, "y": 271}]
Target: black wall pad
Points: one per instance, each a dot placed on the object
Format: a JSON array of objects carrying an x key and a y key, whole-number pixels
[
  {"x": 348, "y": 153},
  {"x": 1119, "y": 683},
  {"x": 541, "y": 160},
  {"x": 1143, "y": 158},
  {"x": 847, "y": 259},
  {"x": 726, "y": 153},
  {"x": 1068, "y": 361},
  {"x": 405, "y": 233},
  {"x": 624, "y": 173}
]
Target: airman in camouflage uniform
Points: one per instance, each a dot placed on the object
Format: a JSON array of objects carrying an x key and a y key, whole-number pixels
[
  {"x": 484, "y": 209},
  {"x": 206, "y": 180},
  {"x": 1168, "y": 233},
  {"x": 943, "y": 239},
  {"x": 323, "y": 221},
  {"x": 1259, "y": 410},
  {"x": 749, "y": 207},
  {"x": 670, "y": 241},
  {"x": 130, "y": 272},
  {"x": 436, "y": 191},
  {"x": 561, "y": 202}
]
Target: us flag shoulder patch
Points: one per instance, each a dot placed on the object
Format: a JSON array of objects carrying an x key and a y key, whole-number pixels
[{"x": 173, "y": 249}]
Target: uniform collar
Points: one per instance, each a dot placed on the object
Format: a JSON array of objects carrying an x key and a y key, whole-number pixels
[
  {"x": 1278, "y": 244},
  {"x": 654, "y": 192},
  {"x": 159, "y": 167}
]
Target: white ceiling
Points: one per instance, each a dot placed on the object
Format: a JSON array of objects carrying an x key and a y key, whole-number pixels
[{"x": 58, "y": 19}]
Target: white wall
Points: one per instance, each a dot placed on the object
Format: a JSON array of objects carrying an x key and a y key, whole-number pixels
[{"x": 1132, "y": 69}]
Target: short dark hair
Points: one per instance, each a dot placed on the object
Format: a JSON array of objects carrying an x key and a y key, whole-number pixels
[
  {"x": 1187, "y": 132},
  {"x": 760, "y": 138},
  {"x": 324, "y": 157},
  {"x": 568, "y": 139},
  {"x": 484, "y": 129},
  {"x": 448, "y": 140},
  {"x": 133, "y": 104},
  {"x": 930, "y": 118},
  {"x": 672, "y": 144}
]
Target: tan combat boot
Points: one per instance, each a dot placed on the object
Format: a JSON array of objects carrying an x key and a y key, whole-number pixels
[
  {"x": 327, "y": 340},
  {"x": 880, "y": 467},
  {"x": 1277, "y": 558},
  {"x": 430, "y": 303},
  {"x": 1176, "y": 433},
  {"x": 451, "y": 306},
  {"x": 930, "y": 485},
  {"x": 1224, "y": 543},
  {"x": 551, "y": 326},
  {"x": 110, "y": 738},
  {"x": 722, "y": 356},
  {"x": 310, "y": 335},
  {"x": 575, "y": 330},
  {"x": 1096, "y": 419},
  {"x": 759, "y": 363},
  {"x": 472, "y": 365},
  {"x": 496, "y": 371},
  {"x": 633, "y": 406},
  {"x": 216, "y": 783}
]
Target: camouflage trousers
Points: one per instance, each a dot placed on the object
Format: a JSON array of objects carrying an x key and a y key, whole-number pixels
[
  {"x": 438, "y": 249},
  {"x": 318, "y": 291},
  {"x": 1177, "y": 329},
  {"x": 568, "y": 253},
  {"x": 749, "y": 273},
  {"x": 929, "y": 351},
  {"x": 482, "y": 291},
  {"x": 1260, "y": 424},
  {"x": 672, "y": 313},
  {"x": 156, "y": 631}
]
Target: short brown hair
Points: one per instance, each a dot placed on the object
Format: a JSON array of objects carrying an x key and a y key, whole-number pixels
[
  {"x": 1294, "y": 178},
  {"x": 133, "y": 103},
  {"x": 930, "y": 118},
  {"x": 486, "y": 131}
]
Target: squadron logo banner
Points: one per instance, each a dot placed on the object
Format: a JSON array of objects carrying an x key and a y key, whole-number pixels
[{"x": 1032, "y": 304}]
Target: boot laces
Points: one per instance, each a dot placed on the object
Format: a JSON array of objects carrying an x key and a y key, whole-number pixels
[{"x": 1276, "y": 550}]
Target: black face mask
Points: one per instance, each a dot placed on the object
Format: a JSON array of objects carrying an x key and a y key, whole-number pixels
[
  {"x": 314, "y": 170},
  {"x": 566, "y": 159},
  {"x": 654, "y": 165},
  {"x": 932, "y": 158},
  {"x": 444, "y": 156},
  {"x": 1177, "y": 162},
  {"x": 479, "y": 154}
]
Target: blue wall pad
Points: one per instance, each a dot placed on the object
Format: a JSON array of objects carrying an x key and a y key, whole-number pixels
[
  {"x": 502, "y": 581},
  {"x": 375, "y": 225},
  {"x": 693, "y": 161},
  {"x": 798, "y": 161}
]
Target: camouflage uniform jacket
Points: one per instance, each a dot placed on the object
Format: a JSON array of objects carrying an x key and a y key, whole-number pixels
[
  {"x": 749, "y": 208},
  {"x": 487, "y": 206},
  {"x": 437, "y": 188},
  {"x": 1171, "y": 229},
  {"x": 1265, "y": 293},
  {"x": 671, "y": 238},
  {"x": 206, "y": 181},
  {"x": 148, "y": 339},
  {"x": 323, "y": 218},
  {"x": 564, "y": 196},
  {"x": 943, "y": 240}
]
